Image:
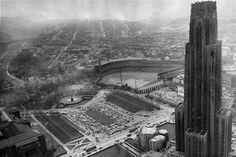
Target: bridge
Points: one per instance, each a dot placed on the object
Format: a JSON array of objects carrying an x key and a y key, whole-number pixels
[
  {"x": 131, "y": 149},
  {"x": 171, "y": 73}
]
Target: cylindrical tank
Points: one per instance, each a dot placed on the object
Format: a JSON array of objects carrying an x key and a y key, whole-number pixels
[
  {"x": 165, "y": 133},
  {"x": 145, "y": 135},
  {"x": 156, "y": 143}
]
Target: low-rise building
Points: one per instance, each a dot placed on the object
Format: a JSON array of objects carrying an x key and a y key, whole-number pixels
[
  {"x": 17, "y": 139},
  {"x": 229, "y": 80},
  {"x": 171, "y": 152}
]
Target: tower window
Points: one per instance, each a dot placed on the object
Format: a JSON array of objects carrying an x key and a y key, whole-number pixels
[{"x": 212, "y": 54}]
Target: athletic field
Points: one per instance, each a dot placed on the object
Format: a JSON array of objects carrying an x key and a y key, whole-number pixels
[
  {"x": 130, "y": 103},
  {"x": 133, "y": 79}
]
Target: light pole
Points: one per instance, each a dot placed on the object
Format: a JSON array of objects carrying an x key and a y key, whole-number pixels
[{"x": 46, "y": 124}]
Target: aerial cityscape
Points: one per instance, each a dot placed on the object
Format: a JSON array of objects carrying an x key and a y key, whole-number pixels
[{"x": 117, "y": 78}]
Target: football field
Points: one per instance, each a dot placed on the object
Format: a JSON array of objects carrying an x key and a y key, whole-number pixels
[{"x": 130, "y": 103}]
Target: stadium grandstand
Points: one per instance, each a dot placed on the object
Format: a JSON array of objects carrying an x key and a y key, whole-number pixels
[
  {"x": 143, "y": 65},
  {"x": 167, "y": 71}
]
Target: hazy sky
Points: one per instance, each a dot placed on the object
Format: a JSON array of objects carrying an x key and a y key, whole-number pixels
[{"x": 103, "y": 9}]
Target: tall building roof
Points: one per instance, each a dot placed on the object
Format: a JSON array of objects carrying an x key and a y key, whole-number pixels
[{"x": 203, "y": 8}]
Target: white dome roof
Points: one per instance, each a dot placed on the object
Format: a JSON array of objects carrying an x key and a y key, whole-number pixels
[
  {"x": 157, "y": 138},
  {"x": 163, "y": 131},
  {"x": 148, "y": 130}
]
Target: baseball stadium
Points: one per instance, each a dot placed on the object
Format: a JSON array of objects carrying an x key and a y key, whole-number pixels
[{"x": 142, "y": 75}]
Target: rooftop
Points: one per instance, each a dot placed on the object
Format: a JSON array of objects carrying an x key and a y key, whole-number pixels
[
  {"x": 148, "y": 130},
  {"x": 203, "y": 8},
  {"x": 23, "y": 137},
  {"x": 171, "y": 150}
]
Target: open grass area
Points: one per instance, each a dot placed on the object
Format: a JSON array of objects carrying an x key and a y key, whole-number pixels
[
  {"x": 60, "y": 127},
  {"x": 101, "y": 118},
  {"x": 130, "y": 103},
  {"x": 141, "y": 78}
]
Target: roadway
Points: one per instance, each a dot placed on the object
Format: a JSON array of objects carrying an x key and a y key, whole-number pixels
[
  {"x": 121, "y": 137},
  {"x": 64, "y": 49},
  {"x": 13, "y": 50}
]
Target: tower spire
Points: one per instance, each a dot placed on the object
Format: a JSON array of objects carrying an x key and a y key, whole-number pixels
[{"x": 203, "y": 117}]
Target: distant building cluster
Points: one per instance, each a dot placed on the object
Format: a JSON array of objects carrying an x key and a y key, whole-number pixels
[{"x": 86, "y": 43}]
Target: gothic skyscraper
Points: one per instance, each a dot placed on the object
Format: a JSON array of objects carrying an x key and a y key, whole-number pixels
[{"x": 207, "y": 127}]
